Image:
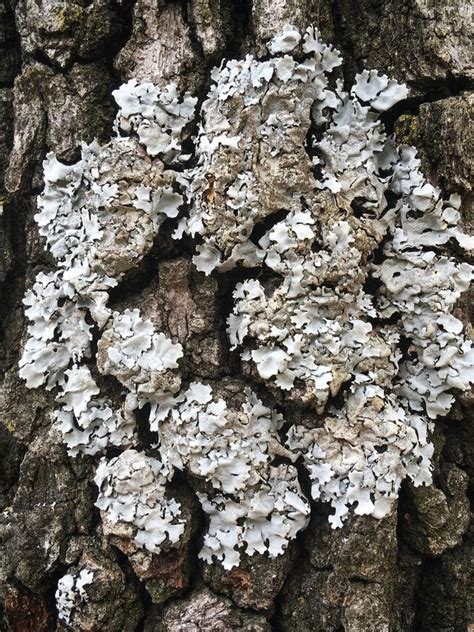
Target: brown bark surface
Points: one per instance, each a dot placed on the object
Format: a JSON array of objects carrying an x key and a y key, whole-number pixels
[{"x": 59, "y": 61}]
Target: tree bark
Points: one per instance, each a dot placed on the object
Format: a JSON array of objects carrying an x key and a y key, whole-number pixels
[{"x": 59, "y": 62}]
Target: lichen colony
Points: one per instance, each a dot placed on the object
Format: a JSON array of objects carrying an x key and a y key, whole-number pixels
[{"x": 291, "y": 174}]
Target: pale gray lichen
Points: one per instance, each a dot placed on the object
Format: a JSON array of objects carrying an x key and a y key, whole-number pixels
[
  {"x": 47, "y": 354},
  {"x": 252, "y": 505},
  {"x": 294, "y": 175},
  {"x": 97, "y": 427},
  {"x": 263, "y": 520},
  {"x": 364, "y": 451},
  {"x": 132, "y": 489},
  {"x": 317, "y": 340},
  {"x": 159, "y": 117},
  {"x": 142, "y": 359},
  {"x": 316, "y": 327},
  {"x": 253, "y": 129},
  {"x": 71, "y": 593},
  {"x": 100, "y": 218},
  {"x": 230, "y": 448}
]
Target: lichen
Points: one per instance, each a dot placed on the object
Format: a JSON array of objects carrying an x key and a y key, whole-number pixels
[
  {"x": 352, "y": 318},
  {"x": 253, "y": 505},
  {"x": 99, "y": 218},
  {"x": 139, "y": 357},
  {"x": 264, "y": 520},
  {"x": 71, "y": 592},
  {"x": 132, "y": 489}
]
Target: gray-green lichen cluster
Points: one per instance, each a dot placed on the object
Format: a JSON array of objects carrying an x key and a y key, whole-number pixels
[{"x": 292, "y": 174}]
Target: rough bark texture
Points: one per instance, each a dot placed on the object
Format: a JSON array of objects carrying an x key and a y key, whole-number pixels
[{"x": 58, "y": 63}]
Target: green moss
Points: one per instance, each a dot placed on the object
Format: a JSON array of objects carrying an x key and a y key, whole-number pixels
[
  {"x": 406, "y": 129},
  {"x": 9, "y": 425},
  {"x": 68, "y": 17}
]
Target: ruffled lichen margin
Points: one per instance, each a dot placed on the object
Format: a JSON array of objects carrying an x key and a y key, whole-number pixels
[{"x": 292, "y": 174}]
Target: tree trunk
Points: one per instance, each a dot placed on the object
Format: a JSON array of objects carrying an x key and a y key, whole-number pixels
[{"x": 59, "y": 62}]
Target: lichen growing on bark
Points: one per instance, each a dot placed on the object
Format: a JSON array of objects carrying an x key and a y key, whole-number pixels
[{"x": 295, "y": 175}]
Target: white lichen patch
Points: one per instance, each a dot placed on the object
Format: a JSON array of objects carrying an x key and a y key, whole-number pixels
[
  {"x": 264, "y": 520},
  {"x": 142, "y": 359},
  {"x": 47, "y": 354},
  {"x": 253, "y": 506},
  {"x": 323, "y": 322},
  {"x": 72, "y": 593},
  {"x": 316, "y": 340},
  {"x": 253, "y": 129},
  {"x": 97, "y": 427},
  {"x": 159, "y": 117},
  {"x": 132, "y": 490},
  {"x": 363, "y": 452},
  {"x": 99, "y": 217},
  {"x": 351, "y": 318},
  {"x": 229, "y": 448}
]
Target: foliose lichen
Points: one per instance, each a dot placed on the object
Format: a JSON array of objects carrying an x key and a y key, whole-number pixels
[
  {"x": 132, "y": 489},
  {"x": 252, "y": 505},
  {"x": 71, "y": 592},
  {"x": 291, "y": 174}
]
